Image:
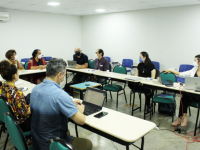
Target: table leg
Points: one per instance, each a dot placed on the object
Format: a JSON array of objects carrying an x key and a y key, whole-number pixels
[
  {"x": 76, "y": 130},
  {"x": 71, "y": 91},
  {"x": 142, "y": 143},
  {"x": 127, "y": 147},
  {"x": 81, "y": 94}
]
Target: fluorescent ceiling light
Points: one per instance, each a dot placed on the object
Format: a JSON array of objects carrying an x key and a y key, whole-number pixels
[
  {"x": 100, "y": 10},
  {"x": 53, "y": 3}
]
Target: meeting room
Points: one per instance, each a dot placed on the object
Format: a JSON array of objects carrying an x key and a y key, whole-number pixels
[{"x": 99, "y": 74}]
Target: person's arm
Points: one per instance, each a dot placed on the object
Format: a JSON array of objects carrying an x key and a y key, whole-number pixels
[
  {"x": 19, "y": 65},
  {"x": 79, "y": 118},
  {"x": 36, "y": 67},
  {"x": 106, "y": 65},
  {"x": 169, "y": 71},
  {"x": 29, "y": 110},
  {"x": 137, "y": 73},
  {"x": 153, "y": 74}
]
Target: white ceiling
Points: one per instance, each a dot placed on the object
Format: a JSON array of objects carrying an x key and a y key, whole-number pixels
[{"x": 88, "y": 7}]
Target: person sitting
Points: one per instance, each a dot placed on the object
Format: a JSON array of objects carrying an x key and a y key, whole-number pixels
[
  {"x": 82, "y": 62},
  {"x": 11, "y": 55},
  {"x": 51, "y": 108},
  {"x": 37, "y": 62},
  {"x": 186, "y": 99},
  {"x": 144, "y": 69},
  {"x": 15, "y": 97},
  {"x": 101, "y": 63}
]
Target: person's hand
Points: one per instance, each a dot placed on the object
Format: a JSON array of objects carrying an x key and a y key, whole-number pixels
[
  {"x": 167, "y": 71},
  {"x": 81, "y": 108},
  {"x": 77, "y": 102},
  {"x": 40, "y": 66},
  {"x": 78, "y": 66},
  {"x": 43, "y": 67}
]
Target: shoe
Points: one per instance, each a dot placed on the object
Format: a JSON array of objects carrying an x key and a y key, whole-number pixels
[
  {"x": 184, "y": 121},
  {"x": 177, "y": 122}
]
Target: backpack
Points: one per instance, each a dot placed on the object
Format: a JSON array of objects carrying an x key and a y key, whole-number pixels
[{"x": 166, "y": 108}]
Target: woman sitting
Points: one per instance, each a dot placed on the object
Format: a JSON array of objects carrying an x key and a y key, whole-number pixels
[
  {"x": 37, "y": 62},
  {"x": 144, "y": 69},
  {"x": 11, "y": 55},
  {"x": 186, "y": 99},
  {"x": 14, "y": 96}
]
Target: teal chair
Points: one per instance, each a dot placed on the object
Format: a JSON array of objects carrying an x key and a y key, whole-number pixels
[
  {"x": 59, "y": 144},
  {"x": 5, "y": 107},
  {"x": 116, "y": 88},
  {"x": 107, "y": 80},
  {"x": 26, "y": 65},
  {"x": 91, "y": 63},
  {"x": 15, "y": 132},
  {"x": 157, "y": 99}
]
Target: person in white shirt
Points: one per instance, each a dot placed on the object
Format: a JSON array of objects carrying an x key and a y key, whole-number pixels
[{"x": 186, "y": 99}]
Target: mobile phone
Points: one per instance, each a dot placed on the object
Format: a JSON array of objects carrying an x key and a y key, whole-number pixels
[{"x": 101, "y": 114}]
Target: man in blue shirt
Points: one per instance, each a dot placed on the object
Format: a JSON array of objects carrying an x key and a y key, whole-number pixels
[
  {"x": 51, "y": 107},
  {"x": 82, "y": 62}
]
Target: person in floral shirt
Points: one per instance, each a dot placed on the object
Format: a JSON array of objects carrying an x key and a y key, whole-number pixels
[{"x": 10, "y": 93}]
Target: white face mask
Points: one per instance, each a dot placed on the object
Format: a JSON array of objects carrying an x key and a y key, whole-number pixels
[
  {"x": 195, "y": 63},
  {"x": 40, "y": 56},
  {"x": 16, "y": 57}
]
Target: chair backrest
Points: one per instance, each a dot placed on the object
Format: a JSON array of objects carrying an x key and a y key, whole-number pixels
[
  {"x": 15, "y": 132},
  {"x": 47, "y": 58},
  {"x": 110, "y": 68},
  {"x": 156, "y": 64},
  {"x": 25, "y": 59},
  {"x": 107, "y": 58},
  {"x": 127, "y": 63},
  {"x": 59, "y": 144},
  {"x": 26, "y": 65},
  {"x": 120, "y": 69},
  {"x": 3, "y": 109},
  {"x": 185, "y": 67},
  {"x": 168, "y": 76},
  {"x": 91, "y": 63}
]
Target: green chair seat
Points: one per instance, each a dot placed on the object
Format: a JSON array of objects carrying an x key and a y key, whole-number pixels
[
  {"x": 194, "y": 104},
  {"x": 30, "y": 148},
  {"x": 28, "y": 133},
  {"x": 59, "y": 144},
  {"x": 157, "y": 99},
  {"x": 112, "y": 87}
]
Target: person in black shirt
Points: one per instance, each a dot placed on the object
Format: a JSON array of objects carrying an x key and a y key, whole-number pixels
[
  {"x": 82, "y": 62},
  {"x": 145, "y": 69}
]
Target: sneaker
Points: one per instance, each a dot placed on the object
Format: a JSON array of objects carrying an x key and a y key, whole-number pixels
[
  {"x": 184, "y": 121},
  {"x": 177, "y": 122}
]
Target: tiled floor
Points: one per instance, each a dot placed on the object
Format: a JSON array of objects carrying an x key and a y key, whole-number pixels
[{"x": 155, "y": 140}]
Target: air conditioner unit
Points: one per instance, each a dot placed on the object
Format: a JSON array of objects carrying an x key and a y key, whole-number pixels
[{"x": 4, "y": 16}]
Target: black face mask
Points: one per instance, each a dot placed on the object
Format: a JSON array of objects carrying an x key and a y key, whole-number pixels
[{"x": 78, "y": 53}]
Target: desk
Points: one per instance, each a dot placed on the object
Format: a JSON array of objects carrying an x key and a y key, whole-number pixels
[
  {"x": 110, "y": 126},
  {"x": 31, "y": 72}
]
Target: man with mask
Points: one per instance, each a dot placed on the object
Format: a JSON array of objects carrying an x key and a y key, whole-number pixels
[
  {"x": 82, "y": 62},
  {"x": 51, "y": 107}
]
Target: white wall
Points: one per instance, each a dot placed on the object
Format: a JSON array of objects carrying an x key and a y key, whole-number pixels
[
  {"x": 171, "y": 36},
  {"x": 55, "y": 34}
]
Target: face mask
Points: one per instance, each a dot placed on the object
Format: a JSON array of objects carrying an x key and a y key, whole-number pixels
[
  {"x": 195, "y": 63},
  {"x": 61, "y": 82},
  {"x": 16, "y": 57},
  {"x": 78, "y": 53},
  {"x": 140, "y": 60},
  {"x": 40, "y": 56}
]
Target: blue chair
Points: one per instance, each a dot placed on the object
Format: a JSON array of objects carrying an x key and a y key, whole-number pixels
[
  {"x": 128, "y": 64},
  {"x": 47, "y": 58},
  {"x": 157, "y": 65},
  {"x": 108, "y": 58},
  {"x": 182, "y": 68}
]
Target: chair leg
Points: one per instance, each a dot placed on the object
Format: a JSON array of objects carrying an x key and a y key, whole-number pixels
[
  {"x": 106, "y": 96},
  {"x": 140, "y": 101},
  {"x": 189, "y": 111},
  {"x": 145, "y": 108},
  {"x": 197, "y": 119},
  {"x": 111, "y": 95},
  {"x": 117, "y": 100},
  {"x": 133, "y": 103},
  {"x": 125, "y": 96},
  {"x": 1, "y": 130},
  {"x": 6, "y": 142}
]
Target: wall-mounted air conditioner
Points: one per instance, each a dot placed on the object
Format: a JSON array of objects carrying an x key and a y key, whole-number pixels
[{"x": 4, "y": 16}]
